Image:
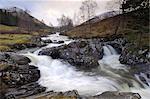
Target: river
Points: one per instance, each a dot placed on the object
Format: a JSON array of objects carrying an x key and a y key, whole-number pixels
[{"x": 58, "y": 75}]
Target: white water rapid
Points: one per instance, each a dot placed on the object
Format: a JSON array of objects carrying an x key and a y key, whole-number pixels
[{"x": 60, "y": 76}]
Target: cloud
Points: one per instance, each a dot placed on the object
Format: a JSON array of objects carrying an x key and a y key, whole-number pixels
[{"x": 50, "y": 10}]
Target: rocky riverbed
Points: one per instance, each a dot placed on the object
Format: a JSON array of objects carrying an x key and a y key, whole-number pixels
[{"x": 20, "y": 79}]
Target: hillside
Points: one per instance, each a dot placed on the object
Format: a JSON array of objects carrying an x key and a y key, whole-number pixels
[
  {"x": 126, "y": 25},
  {"x": 18, "y": 27},
  {"x": 16, "y": 16}
]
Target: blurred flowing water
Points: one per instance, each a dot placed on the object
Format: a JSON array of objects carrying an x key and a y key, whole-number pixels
[{"x": 60, "y": 76}]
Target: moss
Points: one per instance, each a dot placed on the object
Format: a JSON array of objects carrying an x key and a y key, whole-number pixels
[
  {"x": 8, "y": 28},
  {"x": 11, "y": 39},
  {"x": 6, "y": 39}
]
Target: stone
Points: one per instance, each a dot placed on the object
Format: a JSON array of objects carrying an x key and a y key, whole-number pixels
[
  {"x": 117, "y": 95},
  {"x": 15, "y": 75},
  {"x": 24, "y": 91},
  {"x": 81, "y": 54},
  {"x": 10, "y": 57}
]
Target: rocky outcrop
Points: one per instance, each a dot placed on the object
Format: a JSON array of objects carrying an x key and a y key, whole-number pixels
[
  {"x": 134, "y": 56},
  {"x": 32, "y": 43},
  {"x": 15, "y": 71},
  {"x": 56, "y": 95},
  {"x": 13, "y": 58},
  {"x": 18, "y": 75},
  {"x": 82, "y": 54},
  {"x": 117, "y": 95},
  {"x": 75, "y": 95},
  {"x": 47, "y": 41},
  {"x": 24, "y": 91}
]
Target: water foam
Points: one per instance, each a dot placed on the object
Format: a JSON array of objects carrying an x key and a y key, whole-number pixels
[{"x": 59, "y": 76}]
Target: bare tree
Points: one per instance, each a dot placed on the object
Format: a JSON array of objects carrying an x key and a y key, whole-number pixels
[
  {"x": 87, "y": 11},
  {"x": 65, "y": 23},
  {"x": 76, "y": 19}
]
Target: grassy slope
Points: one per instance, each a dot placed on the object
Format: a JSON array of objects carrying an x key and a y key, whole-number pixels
[
  {"x": 10, "y": 35},
  {"x": 129, "y": 26}
]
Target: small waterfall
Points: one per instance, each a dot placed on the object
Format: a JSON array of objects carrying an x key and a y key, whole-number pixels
[
  {"x": 112, "y": 50},
  {"x": 59, "y": 76},
  {"x": 109, "y": 50}
]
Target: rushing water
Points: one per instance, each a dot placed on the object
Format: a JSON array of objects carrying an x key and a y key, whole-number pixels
[{"x": 60, "y": 76}]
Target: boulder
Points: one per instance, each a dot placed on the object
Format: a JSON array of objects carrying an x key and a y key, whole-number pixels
[
  {"x": 56, "y": 95},
  {"x": 117, "y": 44},
  {"x": 10, "y": 57},
  {"x": 48, "y": 41},
  {"x": 17, "y": 75},
  {"x": 60, "y": 42},
  {"x": 83, "y": 54},
  {"x": 74, "y": 95},
  {"x": 133, "y": 57},
  {"x": 19, "y": 59},
  {"x": 117, "y": 95},
  {"x": 24, "y": 91}
]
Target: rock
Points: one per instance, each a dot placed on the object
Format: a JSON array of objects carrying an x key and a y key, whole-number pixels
[
  {"x": 3, "y": 56},
  {"x": 17, "y": 75},
  {"x": 56, "y": 95},
  {"x": 74, "y": 95},
  {"x": 47, "y": 41},
  {"x": 133, "y": 56},
  {"x": 24, "y": 91},
  {"x": 117, "y": 44},
  {"x": 60, "y": 42},
  {"x": 117, "y": 95},
  {"x": 25, "y": 45},
  {"x": 3, "y": 88},
  {"x": 83, "y": 54},
  {"x": 19, "y": 59},
  {"x": 84, "y": 62},
  {"x": 14, "y": 58},
  {"x": 53, "y": 52},
  {"x": 35, "y": 41}
]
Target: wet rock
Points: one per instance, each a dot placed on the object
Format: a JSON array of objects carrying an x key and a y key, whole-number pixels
[
  {"x": 74, "y": 95},
  {"x": 56, "y": 95},
  {"x": 48, "y": 41},
  {"x": 24, "y": 91},
  {"x": 117, "y": 95},
  {"x": 84, "y": 62},
  {"x": 82, "y": 54},
  {"x": 117, "y": 44},
  {"x": 53, "y": 52},
  {"x": 3, "y": 56},
  {"x": 17, "y": 75},
  {"x": 133, "y": 56},
  {"x": 19, "y": 59},
  {"x": 3, "y": 88},
  {"x": 60, "y": 42},
  {"x": 14, "y": 58}
]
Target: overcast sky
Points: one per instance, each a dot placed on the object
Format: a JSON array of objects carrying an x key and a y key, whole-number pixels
[{"x": 50, "y": 10}]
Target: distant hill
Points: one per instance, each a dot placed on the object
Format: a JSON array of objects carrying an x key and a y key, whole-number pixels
[
  {"x": 20, "y": 18},
  {"x": 103, "y": 16},
  {"x": 20, "y": 30},
  {"x": 106, "y": 25}
]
